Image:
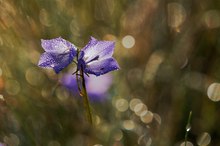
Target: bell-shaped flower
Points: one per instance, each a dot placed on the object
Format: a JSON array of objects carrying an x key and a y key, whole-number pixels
[
  {"x": 58, "y": 54},
  {"x": 96, "y": 57}
]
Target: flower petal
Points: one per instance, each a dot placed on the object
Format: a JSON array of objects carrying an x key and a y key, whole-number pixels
[
  {"x": 57, "y": 45},
  {"x": 101, "y": 67},
  {"x": 56, "y": 61},
  {"x": 98, "y": 49}
]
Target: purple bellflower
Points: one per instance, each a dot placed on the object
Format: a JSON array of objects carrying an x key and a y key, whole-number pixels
[
  {"x": 96, "y": 57},
  {"x": 58, "y": 54}
]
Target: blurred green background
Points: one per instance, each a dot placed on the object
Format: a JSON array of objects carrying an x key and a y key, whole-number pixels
[{"x": 169, "y": 54}]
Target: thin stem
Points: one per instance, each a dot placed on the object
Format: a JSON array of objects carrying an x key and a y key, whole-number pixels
[
  {"x": 83, "y": 92},
  {"x": 85, "y": 98},
  {"x": 188, "y": 126}
]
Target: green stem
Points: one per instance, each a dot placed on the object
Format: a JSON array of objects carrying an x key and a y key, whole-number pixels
[
  {"x": 188, "y": 126},
  {"x": 84, "y": 95},
  {"x": 83, "y": 92},
  {"x": 86, "y": 99}
]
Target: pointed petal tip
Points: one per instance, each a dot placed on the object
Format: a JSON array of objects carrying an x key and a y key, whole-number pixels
[{"x": 92, "y": 38}]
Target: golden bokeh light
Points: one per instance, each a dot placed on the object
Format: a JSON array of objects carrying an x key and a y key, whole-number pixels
[
  {"x": 44, "y": 17},
  {"x": 139, "y": 108},
  {"x": 128, "y": 124},
  {"x": 133, "y": 103},
  {"x": 12, "y": 140},
  {"x": 204, "y": 139},
  {"x": 157, "y": 118},
  {"x": 152, "y": 66},
  {"x": 128, "y": 41},
  {"x": 121, "y": 105},
  {"x": 97, "y": 120},
  {"x": 212, "y": 18},
  {"x": 118, "y": 135},
  {"x": 213, "y": 92},
  {"x": 176, "y": 14},
  {"x": 34, "y": 76},
  {"x": 1, "y": 97},
  {"x": 62, "y": 94},
  {"x": 12, "y": 87},
  {"x": 146, "y": 117},
  {"x": 188, "y": 143},
  {"x": 97, "y": 145}
]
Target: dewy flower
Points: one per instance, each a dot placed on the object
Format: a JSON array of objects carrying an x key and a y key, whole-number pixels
[
  {"x": 96, "y": 57},
  {"x": 58, "y": 54}
]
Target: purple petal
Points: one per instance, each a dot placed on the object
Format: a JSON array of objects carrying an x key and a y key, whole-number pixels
[
  {"x": 57, "y": 45},
  {"x": 56, "y": 61},
  {"x": 97, "y": 87},
  {"x": 101, "y": 67},
  {"x": 98, "y": 49},
  {"x": 69, "y": 82}
]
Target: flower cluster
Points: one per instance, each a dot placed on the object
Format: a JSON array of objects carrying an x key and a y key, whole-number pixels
[{"x": 95, "y": 58}]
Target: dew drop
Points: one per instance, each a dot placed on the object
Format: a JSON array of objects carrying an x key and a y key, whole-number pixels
[{"x": 188, "y": 127}]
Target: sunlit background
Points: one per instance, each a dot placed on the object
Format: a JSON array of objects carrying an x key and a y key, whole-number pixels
[{"x": 169, "y": 54}]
